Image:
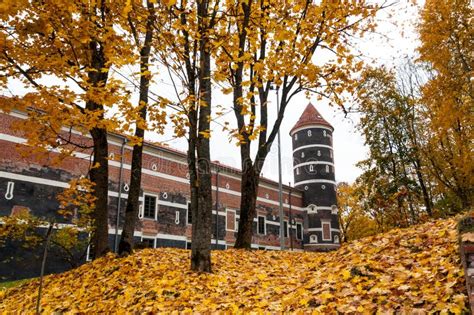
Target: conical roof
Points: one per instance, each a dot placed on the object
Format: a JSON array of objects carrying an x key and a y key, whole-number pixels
[{"x": 310, "y": 116}]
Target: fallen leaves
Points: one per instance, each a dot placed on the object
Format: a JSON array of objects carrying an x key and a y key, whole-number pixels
[{"x": 405, "y": 270}]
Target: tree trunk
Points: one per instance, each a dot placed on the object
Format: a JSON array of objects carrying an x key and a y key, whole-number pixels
[
  {"x": 99, "y": 175},
  {"x": 202, "y": 234},
  {"x": 248, "y": 203},
  {"x": 132, "y": 210}
]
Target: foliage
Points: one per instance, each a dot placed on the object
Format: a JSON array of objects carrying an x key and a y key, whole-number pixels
[
  {"x": 354, "y": 222},
  {"x": 413, "y": 270},
  {"x": 446, "y": 34}
]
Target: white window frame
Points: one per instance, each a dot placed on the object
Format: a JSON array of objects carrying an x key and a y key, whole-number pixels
[
  {"x": 302, "y": 154},
  {"x": 313, "y": 238},
  {"x": 264, "y": 225},
  {"x": 296, "y": 137},
  {"x": 299, "y": 237},
  {"x": 328, "y": 169},
  {"x": 176, "y": 217},
  {"x": 310, "y": 133},
  {"x": 336, "y": 239},
  {"x": 149, "y": 238},
  {"x": 156, "y": 206}
]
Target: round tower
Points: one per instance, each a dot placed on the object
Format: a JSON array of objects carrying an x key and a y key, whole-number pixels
[{"x": 313, "y": 170}]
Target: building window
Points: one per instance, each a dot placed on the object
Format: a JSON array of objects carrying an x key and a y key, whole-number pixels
[
  {"x": 336, "y": 239},
  {"x": 313, "y": 238},
  {"x": 297, "y": 171},
  {"x": 327, "y": 169},
  {"x": 323, "y": 187},
  {"x": 296, "y": 136},
  {"x": 311, "y": 168},
  {"x": 299, "y": 231},
  {"x": 149, "y": 207},
  {"x": 324, "y": 133},
  {"x": 189, "y": 214},
  {"x": 148, "y": 242},
  {"x": 306, "y": 187},
  {"x": 309, "y": 133},
  {"x": 326, "y": 231},
  {"x": 261, "y": 225},
  {"x": 302, "y": 155},
  {"x": 319, "y": 152},
  {"x": 285, "y": 228}
]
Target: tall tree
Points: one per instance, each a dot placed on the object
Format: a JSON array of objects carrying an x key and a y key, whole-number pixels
[
  {"x": 144, "y": 46},
  {"x": 281, "y": 44},
  {"x": 446, "y": 35},
  {"x": 187, "y": 43},
  {"x": 64, "y": 59}
]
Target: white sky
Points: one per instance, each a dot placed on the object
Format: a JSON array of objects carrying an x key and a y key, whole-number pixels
[{"x": 387, "y": 47}]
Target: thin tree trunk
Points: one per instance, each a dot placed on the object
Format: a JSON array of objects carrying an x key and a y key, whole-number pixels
[
  {"x": 132, "y": 210},
  {"x": 202, "y": 234}
]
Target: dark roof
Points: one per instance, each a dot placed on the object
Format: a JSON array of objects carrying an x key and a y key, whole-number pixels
[{"x": 310, "y": 116}]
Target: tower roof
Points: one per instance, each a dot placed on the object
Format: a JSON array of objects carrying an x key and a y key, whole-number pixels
[{"x": 310, "y": 116}]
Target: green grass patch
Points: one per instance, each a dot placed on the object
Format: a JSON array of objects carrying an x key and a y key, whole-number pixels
[{"x": 11, "y": 284}]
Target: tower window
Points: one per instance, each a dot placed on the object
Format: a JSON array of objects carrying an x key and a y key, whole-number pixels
[
  {"x": 327, "y": 168},
  {"x": 302, "y": 154},
  {"x": 324, "y": 133},
  {"x": 323, "y": 187},
  {"x": 296, "y": 136},
  {"x": 319, "y": 152},
  {"x": 309, "y": 133},
  {"x": 306, "y": 187},
  {"x": 326, "y": 231},
  {"x": 311, "y": 168},
  {"x": 313, "y": 238},
  {"x": 297, "y": 171}
]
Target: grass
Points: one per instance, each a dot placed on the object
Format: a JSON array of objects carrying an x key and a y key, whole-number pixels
[{"x": 11, "y": 284}]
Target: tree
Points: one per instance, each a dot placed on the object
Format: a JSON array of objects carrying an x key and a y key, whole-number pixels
[
  {"x": 131, "y": 212},
  {"x": 186, "y": 35},
  {"x": 390, "y": 123},
  {"x": 64, "y": 59},
  {"x": 281, "y": 44},
  {"x": 446, "y": 35}
]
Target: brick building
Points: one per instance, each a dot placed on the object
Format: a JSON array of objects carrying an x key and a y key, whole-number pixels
[{"x": 310, "y": 220}]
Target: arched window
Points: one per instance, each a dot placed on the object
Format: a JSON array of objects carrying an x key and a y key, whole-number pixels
[
  {"x": 319, "y": 152},
  {"x": 324, "y": 133},
  {"x": 313, "y": 238},
  {"x": 297, "y": 171},
  {"x": 302, "y": 154},
  {"x": 327, "y": 168},
  {"x": 336, "y": 239},
  {"x": 311, "y": 168},
  {"x": 309, "y": 133},
  {"x": 296, "y": 136}
]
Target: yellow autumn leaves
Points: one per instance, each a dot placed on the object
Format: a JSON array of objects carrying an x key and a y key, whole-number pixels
[{"x": 404, "y": 271}]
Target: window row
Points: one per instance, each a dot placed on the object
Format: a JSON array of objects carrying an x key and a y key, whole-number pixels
[
  {"x": 318, "y": 153},
  {"x": 262, "y": 228},
  {"x": 312, "y": 169},
  {"x": 310, "y": 134}
]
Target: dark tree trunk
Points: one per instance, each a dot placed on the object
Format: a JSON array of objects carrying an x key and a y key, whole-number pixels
[
  {"x": 132, "y": 210},
  {"x": 99, "y": 175},
  {"x": 424, "y": 190},
  {"x": 248, "y": 202},
  {"x": 202, "y": 234}
]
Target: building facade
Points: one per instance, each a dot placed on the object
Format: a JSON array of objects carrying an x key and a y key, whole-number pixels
[{"x": 31, "y": 183}]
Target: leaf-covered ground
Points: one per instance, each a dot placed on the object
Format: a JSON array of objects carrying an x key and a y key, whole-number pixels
[{"x": 402, "y": 271}]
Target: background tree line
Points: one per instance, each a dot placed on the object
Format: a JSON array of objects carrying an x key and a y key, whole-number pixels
[{"x": 417, "y": 123}]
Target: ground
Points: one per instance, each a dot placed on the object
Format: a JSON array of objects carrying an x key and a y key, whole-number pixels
[{"x": 406, "y": 270}]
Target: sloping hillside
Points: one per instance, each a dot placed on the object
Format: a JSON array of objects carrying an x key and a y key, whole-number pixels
[{"x": 403, "y": 270}]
